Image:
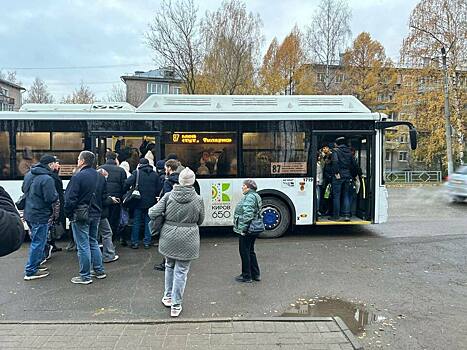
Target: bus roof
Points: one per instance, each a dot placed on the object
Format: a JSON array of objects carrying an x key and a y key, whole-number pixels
[
  {"x": 252, "y": 104},
  {"x": 84, "y": 108}
]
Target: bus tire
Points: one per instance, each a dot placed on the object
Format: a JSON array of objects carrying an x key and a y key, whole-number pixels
[{"x": 276, "y": 217}]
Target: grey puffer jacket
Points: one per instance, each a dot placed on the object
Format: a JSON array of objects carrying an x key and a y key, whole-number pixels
[{"x": 184, "y": 212}]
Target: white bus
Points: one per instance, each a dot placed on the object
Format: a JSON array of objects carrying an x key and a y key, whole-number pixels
[{"x": 224, "y": 139}]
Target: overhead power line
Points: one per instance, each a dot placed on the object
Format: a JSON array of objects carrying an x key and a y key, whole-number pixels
[{"x": 104, "y": 66}]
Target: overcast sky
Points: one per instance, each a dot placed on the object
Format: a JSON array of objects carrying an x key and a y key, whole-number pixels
[{"x": 78, "y": 33}]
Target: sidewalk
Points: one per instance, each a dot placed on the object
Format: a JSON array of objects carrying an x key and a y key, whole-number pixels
[{"x": 210, "y": 334}]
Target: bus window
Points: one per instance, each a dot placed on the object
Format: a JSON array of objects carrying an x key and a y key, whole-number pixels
[
  {"x": 66, "y": 146},
  {"x": 4, "y": 155},
  {"x": 267, "y": 154},
  {"x": 207, "y": 153}
]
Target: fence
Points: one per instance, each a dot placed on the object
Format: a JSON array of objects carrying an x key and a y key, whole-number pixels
[{"x": 413, "y": 176}]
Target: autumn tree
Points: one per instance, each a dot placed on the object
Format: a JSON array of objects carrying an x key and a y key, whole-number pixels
[
  {"x": 269, "y": 75},
  {"x": 369, "y": 74},
  {"x": 233, "y": 39},
  {"x": 174, "y": 36},
  {"x": 83, "y": 94},
  {"x": 435, "y": 25},
  {"x": 326, "y": 37},
  {"x": 117, "y": 94},
  {"x": 38, "y": 93}
]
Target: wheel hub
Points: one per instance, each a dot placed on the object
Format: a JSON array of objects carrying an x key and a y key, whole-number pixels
[{"x": 271, "y": 217}]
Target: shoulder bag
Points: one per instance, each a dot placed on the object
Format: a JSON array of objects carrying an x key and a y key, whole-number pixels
[
  {"x": 21, "y": 202},
  {"x": 133, "y": 195},
  {"x": 256, "y": 225},
  {"x": 155, "y": 225},
  {"x": 81, "y": 213}
]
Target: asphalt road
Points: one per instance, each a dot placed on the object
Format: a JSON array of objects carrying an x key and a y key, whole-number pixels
[{"x": 409, "y": 273}]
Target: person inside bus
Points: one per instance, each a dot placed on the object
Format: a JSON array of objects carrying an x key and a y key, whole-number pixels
[
  {"x": 27, "y": 161},
  {"x": 326, "y": 155},
  {"x": 133, "y": 159},
  {"x": 342, "y": 164},
  {"x": 319, "y": 181},
  {"x": 209, "y": 161}
]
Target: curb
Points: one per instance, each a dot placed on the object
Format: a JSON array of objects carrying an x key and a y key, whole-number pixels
[{"x": 350, "y": 336}]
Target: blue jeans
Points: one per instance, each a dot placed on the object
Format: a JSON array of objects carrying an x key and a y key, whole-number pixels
[
  {"x": 176, "y": 272},
  {"x": 36, "y": 249},
  {"x": 138, "y": 214},
  {"x": 85, "y": 236},
  {"x": 341, "y": 187}
]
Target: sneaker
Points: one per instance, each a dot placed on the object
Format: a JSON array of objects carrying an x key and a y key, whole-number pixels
[
  {"x": 257, "y": 278},
  {"x": 175, "y": 310},
  {"x": 134, "y": 246},
  {"x": 347, "y": 218},
  {"x": 43, "y": 262},
  {"x": 37, "y": 275},
  {"x": 56, "y": 249},
  {"x": 43, "y": 268},
  {"x": 101, "y": 246},
  {"x": 160, "y": 267},
  {"x": 71, "y": 247},
  {"x": 79, "y": 280},
  {"x": 115, "y": 258},
  {"x": 49, "y": 252},
  {"x": 147, "y": 246},
  {"x": 242, "y": 279},
  {"x": 167, "y": 301},
  {"x": 98, "y": 275}
]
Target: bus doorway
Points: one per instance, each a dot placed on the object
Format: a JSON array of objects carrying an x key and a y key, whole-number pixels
[
  {"x": 361, "y": 192},
  {"x": 130, "y": 146}
]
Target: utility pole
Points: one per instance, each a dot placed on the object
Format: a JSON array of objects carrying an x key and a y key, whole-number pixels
[{"x": 447, "y": 114}]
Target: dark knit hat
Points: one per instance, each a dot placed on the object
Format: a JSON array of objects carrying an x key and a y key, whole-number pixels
[
  {"x": 143, "y": 161},
  {"x": 160, "y": 164},
  {"x": 46, "y": 159}
]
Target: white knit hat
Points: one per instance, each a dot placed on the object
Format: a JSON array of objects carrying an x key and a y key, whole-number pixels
[{"x": 186, "y": 177}]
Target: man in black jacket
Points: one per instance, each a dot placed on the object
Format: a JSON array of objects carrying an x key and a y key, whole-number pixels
[
  {"x": 115, "y": 184},
  {"x": 39, "y": 188},
  {"x": 12, "y": 232},
  {"x": 343, "y": 167},
  {"x": 86, "y": 190}
]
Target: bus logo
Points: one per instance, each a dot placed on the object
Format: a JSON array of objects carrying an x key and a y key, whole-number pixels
[{"x": 219, "y": 192}]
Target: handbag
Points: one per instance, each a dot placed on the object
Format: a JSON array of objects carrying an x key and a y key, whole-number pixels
[
  {"x": 155, "y": 225},
  {"x": 256, "y": 225},
  {"x": 81, "y": 213},
  {"x": 133, "y": 195}
]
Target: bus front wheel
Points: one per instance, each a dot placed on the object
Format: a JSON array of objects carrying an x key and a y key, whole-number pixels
[{"x": 276, "y": 217}]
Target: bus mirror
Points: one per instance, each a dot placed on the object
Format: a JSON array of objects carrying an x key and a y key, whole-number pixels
[{"x": 413, "y": 138}]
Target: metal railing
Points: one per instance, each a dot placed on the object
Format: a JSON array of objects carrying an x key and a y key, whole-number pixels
[{"x": 413, "y": 176}]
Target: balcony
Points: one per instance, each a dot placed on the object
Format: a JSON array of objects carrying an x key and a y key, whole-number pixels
[{"x": 7, "y": 100}]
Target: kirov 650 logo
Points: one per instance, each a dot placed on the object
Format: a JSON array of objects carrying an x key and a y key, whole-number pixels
[{"x": 220, "y": 207}]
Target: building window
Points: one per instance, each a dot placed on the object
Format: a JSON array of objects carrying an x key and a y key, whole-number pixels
[
  {"x": 3, "y": 91},
  {"x": 275, "y": 154},
  {"x": 403, "y": 138},
  {"x": 4, "y": 155},
  {"x": 176, "y": 90},
  {"x": 157, "y": 88},
  {"x": 321, "y": 77},
  {"x": 339, "y": 78},
  {"x": 403, "y": 156},
  {"x": 388, "y": 156},
  {"x": 209, "y": 154}
]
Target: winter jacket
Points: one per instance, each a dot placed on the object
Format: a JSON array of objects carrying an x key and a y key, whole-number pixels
[
  {"x": 149, "y": 186},
  {"x": 169, "y": 183},
  {"x": 246, "y": 210},
  {"x": 106, "y": 200},
  {"x": 39, "y": 187},
  {"x": 12, "y": 232},
  {"x": 116, "y": 179},
  {"x": 343, "y": 162},
  {"x": 184, "y": 212},
  {"x": 85, "y": 187}
]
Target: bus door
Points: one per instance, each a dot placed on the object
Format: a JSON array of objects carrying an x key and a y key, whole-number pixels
[
  {"x": 361, "y": 190},
  {"x": 129, "y": 145}
]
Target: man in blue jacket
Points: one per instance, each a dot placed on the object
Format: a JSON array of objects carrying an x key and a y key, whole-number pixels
[
  {"x": 86, "y": 189},
  {"x": 39, "y": 187}
]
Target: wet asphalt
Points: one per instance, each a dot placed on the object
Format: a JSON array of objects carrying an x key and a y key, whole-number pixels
[{"x": 410, "y": 274}]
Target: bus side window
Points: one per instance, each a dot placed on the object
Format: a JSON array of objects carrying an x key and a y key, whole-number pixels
[{"x": 4, "y": 155}]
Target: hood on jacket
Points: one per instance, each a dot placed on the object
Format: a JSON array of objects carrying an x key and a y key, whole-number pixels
[
  {"x": 146, "y": 168},
  {"x": 40, "y": 169},
  {"x": 183, "y": 194}
]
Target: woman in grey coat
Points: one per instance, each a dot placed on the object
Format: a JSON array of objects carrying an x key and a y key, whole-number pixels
[{"x": 183, "y": 210}]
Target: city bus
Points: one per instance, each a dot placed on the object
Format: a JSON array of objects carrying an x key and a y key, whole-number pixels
[{"x": 224, "y": 139}]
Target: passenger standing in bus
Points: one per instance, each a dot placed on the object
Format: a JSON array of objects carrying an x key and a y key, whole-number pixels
[
  {"x": 39, "y": 188},
  {"x": 83, "y": 206},
  {"x": 149, "y": 186},
  {"x": 245, "y": 211},
  {"x": 179, "y": 241},
  {"x": 319, "y": 182}
]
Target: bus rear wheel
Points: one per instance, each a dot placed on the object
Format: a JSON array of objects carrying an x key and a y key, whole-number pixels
[{"x": 276, "y": 217}]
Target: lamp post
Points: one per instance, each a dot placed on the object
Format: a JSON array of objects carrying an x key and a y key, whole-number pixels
[{"x": 447, "y": 113}]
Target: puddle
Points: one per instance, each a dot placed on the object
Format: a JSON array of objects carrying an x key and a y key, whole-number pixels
[{"x": 356, "y": 316}]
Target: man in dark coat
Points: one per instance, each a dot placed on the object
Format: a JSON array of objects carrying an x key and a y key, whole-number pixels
[
  {"x": 12, "y": 232},
  {"x": 149, "y": 187},
  {"x": 39, "y": 188},
  {"x": 115, "y": 184},
  {"x": 343, "y": 167},
  {"x": 86, "y": 189}
]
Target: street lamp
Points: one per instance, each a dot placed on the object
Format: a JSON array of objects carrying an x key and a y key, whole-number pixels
[{"x": 447, "y": 113}]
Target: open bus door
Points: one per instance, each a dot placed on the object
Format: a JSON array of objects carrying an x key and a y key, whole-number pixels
[{"x": 362, "y": 143}]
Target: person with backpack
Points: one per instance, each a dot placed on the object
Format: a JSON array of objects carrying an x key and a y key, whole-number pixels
[
  {"x": 149, "y": 186},
  {"x": 183, "y": 211},
  {"x": 39, "y": 188},
  {"x": 246, "y": 211},
  {"x": 344, "y": 169}
]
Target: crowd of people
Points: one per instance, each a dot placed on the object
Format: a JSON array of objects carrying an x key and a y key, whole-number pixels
[
  {"x": 99, "y": 202},
  {"x": 337, "y": 178}
]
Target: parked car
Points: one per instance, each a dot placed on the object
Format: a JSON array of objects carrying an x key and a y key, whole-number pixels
[{"x": 457, "y": 184}]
